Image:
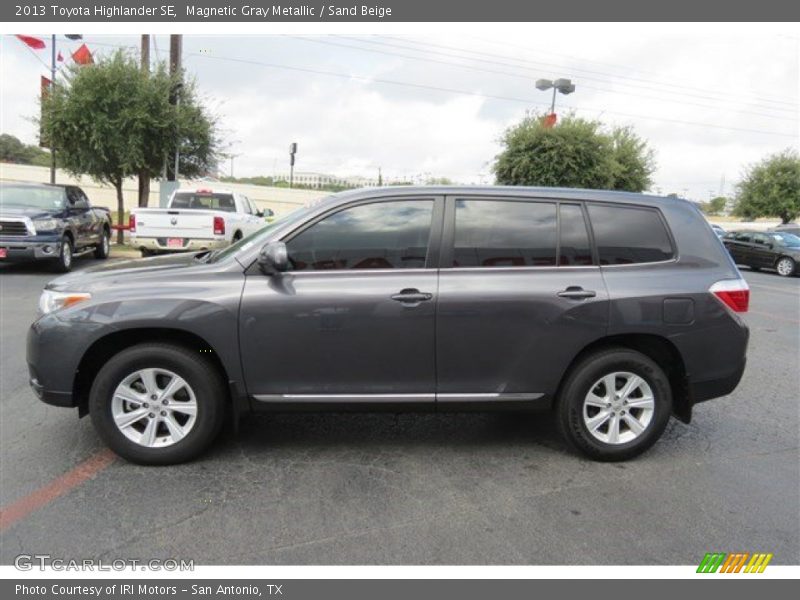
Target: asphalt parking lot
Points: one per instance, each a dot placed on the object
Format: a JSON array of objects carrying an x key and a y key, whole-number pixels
[{"x": 413, "y": 489}]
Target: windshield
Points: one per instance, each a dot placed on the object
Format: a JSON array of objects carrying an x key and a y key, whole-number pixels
[
  {"x": 257, "y": 236},
  {"x": 32, "y": 196},
  {"x": 204, "y": 201},
  {"x": 786, "y": 239}
]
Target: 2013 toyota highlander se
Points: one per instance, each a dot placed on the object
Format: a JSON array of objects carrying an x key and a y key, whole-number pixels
[{"x": 616, "y": 310}]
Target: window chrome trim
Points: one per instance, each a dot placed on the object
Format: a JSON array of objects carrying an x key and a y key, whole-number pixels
[{"x": 357, "y": 271}]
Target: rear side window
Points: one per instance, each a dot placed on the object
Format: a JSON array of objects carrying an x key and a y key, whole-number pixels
[
  {"x": 574, "y": 248},
  {"x": 498, "y": 233},
  {"x": 626, "y": 235},
  {"x": 382, "y": 235}
]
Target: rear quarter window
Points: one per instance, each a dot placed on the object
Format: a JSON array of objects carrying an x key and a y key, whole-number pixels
[{"x": 629, "y": 235}]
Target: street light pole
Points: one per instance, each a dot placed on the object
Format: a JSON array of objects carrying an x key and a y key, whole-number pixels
[{"x": 564, "y": 86}]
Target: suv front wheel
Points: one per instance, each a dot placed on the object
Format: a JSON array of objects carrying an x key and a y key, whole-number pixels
[
  {"x": 614, "y": 404},
  {"x": 157, "y": 404}
]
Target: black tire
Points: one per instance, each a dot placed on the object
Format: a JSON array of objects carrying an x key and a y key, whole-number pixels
[
  {"x": 63, "y": 264},
  {"x": 570, "y": 403},
  {"x": 236, "y": 237},
  {"x": 103, "y": 248},
  {"x": 197, "y": 371},
  {"x": 146, "y": 253},
  {"x": 787, "y": 271}
]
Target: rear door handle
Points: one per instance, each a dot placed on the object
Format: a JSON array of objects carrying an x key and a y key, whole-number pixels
[
  {"x": 411, "y": 296},
  {"x": 575, "y": 292}
]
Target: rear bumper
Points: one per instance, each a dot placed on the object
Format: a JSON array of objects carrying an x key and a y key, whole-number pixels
[
  {"x": 159, "y": 244},
  {"x": 30, "y": 248},
  {"x": 700, "y": 391}
]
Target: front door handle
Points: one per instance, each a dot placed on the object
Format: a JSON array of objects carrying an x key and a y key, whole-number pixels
[
  {"x": 575, "y": 292},
  {"x": 411, "y": 296}
]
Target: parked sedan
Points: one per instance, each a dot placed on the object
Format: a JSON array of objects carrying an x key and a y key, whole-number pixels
[
  {"x": 792, "y": 228},
  {"x": 768, "y": 250}
]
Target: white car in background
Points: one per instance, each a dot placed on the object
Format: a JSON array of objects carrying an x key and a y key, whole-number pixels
[{"x": 199, "y": 219}]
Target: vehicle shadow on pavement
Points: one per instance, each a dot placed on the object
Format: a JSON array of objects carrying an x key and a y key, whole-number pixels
[{"x": 302, "y": 431}]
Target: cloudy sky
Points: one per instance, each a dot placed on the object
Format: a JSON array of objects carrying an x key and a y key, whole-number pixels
[{"x": 710, "y": 100}]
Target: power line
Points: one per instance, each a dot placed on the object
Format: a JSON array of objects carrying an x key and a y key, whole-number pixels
[
  {"x": 571, "y": 57},
  {"x": 528, "y": 78},
  {"x": 715, "y": 94},
  {"x": 477, "y": 94}
]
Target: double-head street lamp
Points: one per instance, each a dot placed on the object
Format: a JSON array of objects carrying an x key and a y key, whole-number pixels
[{"x": 565, "y": 86}]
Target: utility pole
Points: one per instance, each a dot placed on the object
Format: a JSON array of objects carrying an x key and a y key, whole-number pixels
[
  {"x": 175, "y": 51},
  {"x": 144, "y": 176},
  {"x": 52, "y": 90}
]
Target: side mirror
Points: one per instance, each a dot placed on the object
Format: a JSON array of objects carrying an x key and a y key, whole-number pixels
[
  {"x": 273, "y": 258},
  {"x": 259, "y": 213}
]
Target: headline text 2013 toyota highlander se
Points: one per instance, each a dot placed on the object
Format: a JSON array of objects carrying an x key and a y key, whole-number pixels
[{"x": 615, "y": 310}]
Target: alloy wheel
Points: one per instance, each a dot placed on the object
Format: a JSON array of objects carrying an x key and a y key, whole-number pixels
[
  {"x": 618, "y": 407},
  {"x": 154, "y": 407},
  {"x": 785, "y": 266}
]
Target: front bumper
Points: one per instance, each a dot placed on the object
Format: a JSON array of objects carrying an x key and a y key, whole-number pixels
[
  {"x": 30, "y": 248},
  {"x": 159, "y": 244},
  {"x": 53, "y": 353}
]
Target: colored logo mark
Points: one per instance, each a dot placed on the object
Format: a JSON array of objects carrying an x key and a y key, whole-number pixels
[{"x": 736, "y": 562}]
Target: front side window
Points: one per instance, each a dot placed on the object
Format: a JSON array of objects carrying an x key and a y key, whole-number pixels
[
  {"x": 381, "y": 235},
  {"x": 744, "y": 237},
  {"x": 627, "y": 235},
  {"x": 500, "y": 233}
]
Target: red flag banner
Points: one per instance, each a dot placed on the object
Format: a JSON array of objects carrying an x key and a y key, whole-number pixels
[
  {"x": 31, "y": 42},
  {"x": 45, "y": 86},
  {"x": 83, "y": 56},
  {"x": 549, "y": 120}
]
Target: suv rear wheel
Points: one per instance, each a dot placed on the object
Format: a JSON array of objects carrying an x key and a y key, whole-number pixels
[
  {"x": 157, "y": 404},
  {"x": 614, "y": 404}
]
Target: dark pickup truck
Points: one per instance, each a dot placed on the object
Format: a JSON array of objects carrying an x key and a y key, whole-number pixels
[{"x": 50, "y": 222}]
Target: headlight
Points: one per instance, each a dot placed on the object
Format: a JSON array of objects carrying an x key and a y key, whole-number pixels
[
  {"x": 45, "y": 225},
  {"x": 51, "y": 301}
]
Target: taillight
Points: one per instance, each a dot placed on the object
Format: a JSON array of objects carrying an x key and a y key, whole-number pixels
[
  {"x": 132, "y": 223},
  {"x": 733, "y": 293},
  {"x": 219, "y": 226}
]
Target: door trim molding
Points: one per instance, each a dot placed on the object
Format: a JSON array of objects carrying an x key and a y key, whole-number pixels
[{"x": 377, "y": 398}]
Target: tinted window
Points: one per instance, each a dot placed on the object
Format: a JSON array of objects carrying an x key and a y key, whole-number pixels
[
  {"x": 497, "y": 233},
  {"x": 574, "y": 247},
  {"x": 627, "y": 236},
  {"x": 383, "y": 235},
  {"x": 760, "y": 238},
  {"x": 743, "y": 237},
  {"x": 204, "y": 201}
]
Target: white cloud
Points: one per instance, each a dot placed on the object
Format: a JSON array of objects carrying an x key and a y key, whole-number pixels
[{"x": 657, "y": 78}]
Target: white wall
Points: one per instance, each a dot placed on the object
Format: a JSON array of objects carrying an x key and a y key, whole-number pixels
[{"x": 280, "y": 200}]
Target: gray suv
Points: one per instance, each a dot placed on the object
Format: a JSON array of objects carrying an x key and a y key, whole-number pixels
[{"x": 613, "y": 310}]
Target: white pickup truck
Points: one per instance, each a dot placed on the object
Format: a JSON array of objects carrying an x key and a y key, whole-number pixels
[{"x": 200, "y": 219}]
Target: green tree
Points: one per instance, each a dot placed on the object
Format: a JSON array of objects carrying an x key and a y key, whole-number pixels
[
  {"x": 715, "y": 205},
  {"x": 14, "y": 151},
  {"x": 575, "y": 153},
  {"x": 114, "y": 120},
  {"x": 771, "y": 188}
]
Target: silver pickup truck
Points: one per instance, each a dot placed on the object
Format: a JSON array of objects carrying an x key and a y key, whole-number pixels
[{"x": 199, "y": 219}]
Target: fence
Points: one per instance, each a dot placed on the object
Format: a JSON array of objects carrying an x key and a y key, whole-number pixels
[{"x": 280, "y": 200}]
